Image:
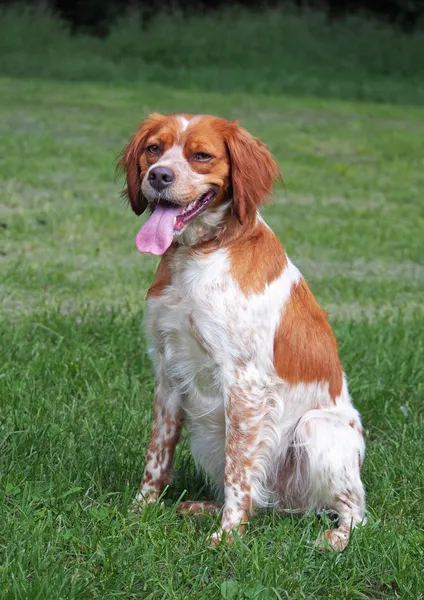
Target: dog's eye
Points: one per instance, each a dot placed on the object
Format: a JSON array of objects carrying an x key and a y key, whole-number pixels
[
  {"x": 153, "y": 149},
  {"x": 202, "y": 156}
]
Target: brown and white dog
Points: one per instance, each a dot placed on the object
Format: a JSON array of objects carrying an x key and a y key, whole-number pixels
[{"x": 243, "y": 354}]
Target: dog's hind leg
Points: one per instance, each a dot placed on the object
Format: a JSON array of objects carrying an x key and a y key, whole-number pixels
[{"x": 332, "y": 443}]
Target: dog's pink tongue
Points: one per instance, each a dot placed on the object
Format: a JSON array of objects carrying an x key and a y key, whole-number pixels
[{"x": 157, "y": 233}]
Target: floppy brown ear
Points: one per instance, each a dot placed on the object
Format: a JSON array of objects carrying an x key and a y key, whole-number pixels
[
  {"x": 130, "y": 163},
  {"x": 253, "y": 171}
]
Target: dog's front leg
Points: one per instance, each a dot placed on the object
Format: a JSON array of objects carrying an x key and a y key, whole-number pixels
[
  {"x": 166, "y": 429},
  {"x": 244, "y": 416}
]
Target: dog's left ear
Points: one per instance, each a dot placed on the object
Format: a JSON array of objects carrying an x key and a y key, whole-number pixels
[
  {"x": 130, "y": 163},
  {"x": 253, "y": 171}
]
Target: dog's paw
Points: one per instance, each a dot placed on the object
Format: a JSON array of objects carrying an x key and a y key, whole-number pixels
[
  {"x": 220, "y": 536},
  {"x": 334, "y": 539},
  {"x": 225, "y": 536},
  {"x": 143, "y": 500}
]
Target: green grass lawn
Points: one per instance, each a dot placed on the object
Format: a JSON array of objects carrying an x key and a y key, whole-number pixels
[{"x": 76, "y": 386}]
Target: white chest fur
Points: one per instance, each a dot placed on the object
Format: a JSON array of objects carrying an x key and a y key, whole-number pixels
[
  {"x": 186, "y": 330},
  {"x": 174, "y": 323},
  {"x": 182, "y": 358}
]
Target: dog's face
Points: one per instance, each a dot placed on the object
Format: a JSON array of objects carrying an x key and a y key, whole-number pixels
[
  {"x": 193, "y": 171},
  {"x": 185, "y": 163}
]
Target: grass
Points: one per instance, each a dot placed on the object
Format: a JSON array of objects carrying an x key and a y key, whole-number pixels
[
  {"x": 75, "y": 383},
  {"x": 233, "y": 50}
]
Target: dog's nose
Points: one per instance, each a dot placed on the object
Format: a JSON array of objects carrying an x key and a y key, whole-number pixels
[{"x": 160, "y": 178}]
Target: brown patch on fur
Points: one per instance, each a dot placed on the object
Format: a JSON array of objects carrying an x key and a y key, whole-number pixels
[
  {"x": 253, "y": 171},
  {"x": 207, "y": 134},
  {"x": 148, "y": 477},
  {"x": 256, "y": 259},
  {"x": 164, "y": 133},
  {"x": 130, "y": 162},
  {"x": 305, "y": 348}
]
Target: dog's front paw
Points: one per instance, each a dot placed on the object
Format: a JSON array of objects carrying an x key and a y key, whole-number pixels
[
  {"x": 220, "y": 536},
  {"x": 334, "y": 539},
  {"x": 226, "y": 536},
  {"x": 144, "y": 499}
]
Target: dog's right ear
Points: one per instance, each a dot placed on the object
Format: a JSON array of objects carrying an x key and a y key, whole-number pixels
[
  {"x": 130, "y": 163},
  {"x": 253, "y": 171}
]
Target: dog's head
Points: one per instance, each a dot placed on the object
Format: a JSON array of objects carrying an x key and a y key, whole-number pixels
[{"x": 193, "y": 172}]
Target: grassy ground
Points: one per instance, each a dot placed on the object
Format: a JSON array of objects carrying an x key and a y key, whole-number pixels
[{"x": 76, "y": 387}]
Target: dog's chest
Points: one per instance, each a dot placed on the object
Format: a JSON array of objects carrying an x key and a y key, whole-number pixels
[
  {"x": 175, "y": 324},
  {"x": 187, "y": 346}
]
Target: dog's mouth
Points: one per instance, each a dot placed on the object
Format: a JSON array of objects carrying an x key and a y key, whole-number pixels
[
  {"x": 194, "y": 209},
  {"x": 168, "y": 219}
]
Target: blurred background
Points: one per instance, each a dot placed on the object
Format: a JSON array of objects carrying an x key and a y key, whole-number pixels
[
  {"x": 366, "y": 49},
  {"x": 336, "y": 90}
]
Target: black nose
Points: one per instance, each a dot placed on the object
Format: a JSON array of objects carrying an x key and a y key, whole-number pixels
[{"x": 160, "y": 178}]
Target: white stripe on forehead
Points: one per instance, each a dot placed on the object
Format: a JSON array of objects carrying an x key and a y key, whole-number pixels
[{"x": 183, "y": 122}]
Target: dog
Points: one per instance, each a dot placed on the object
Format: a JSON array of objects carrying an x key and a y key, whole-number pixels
[{"x": 244, "y": 356}]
